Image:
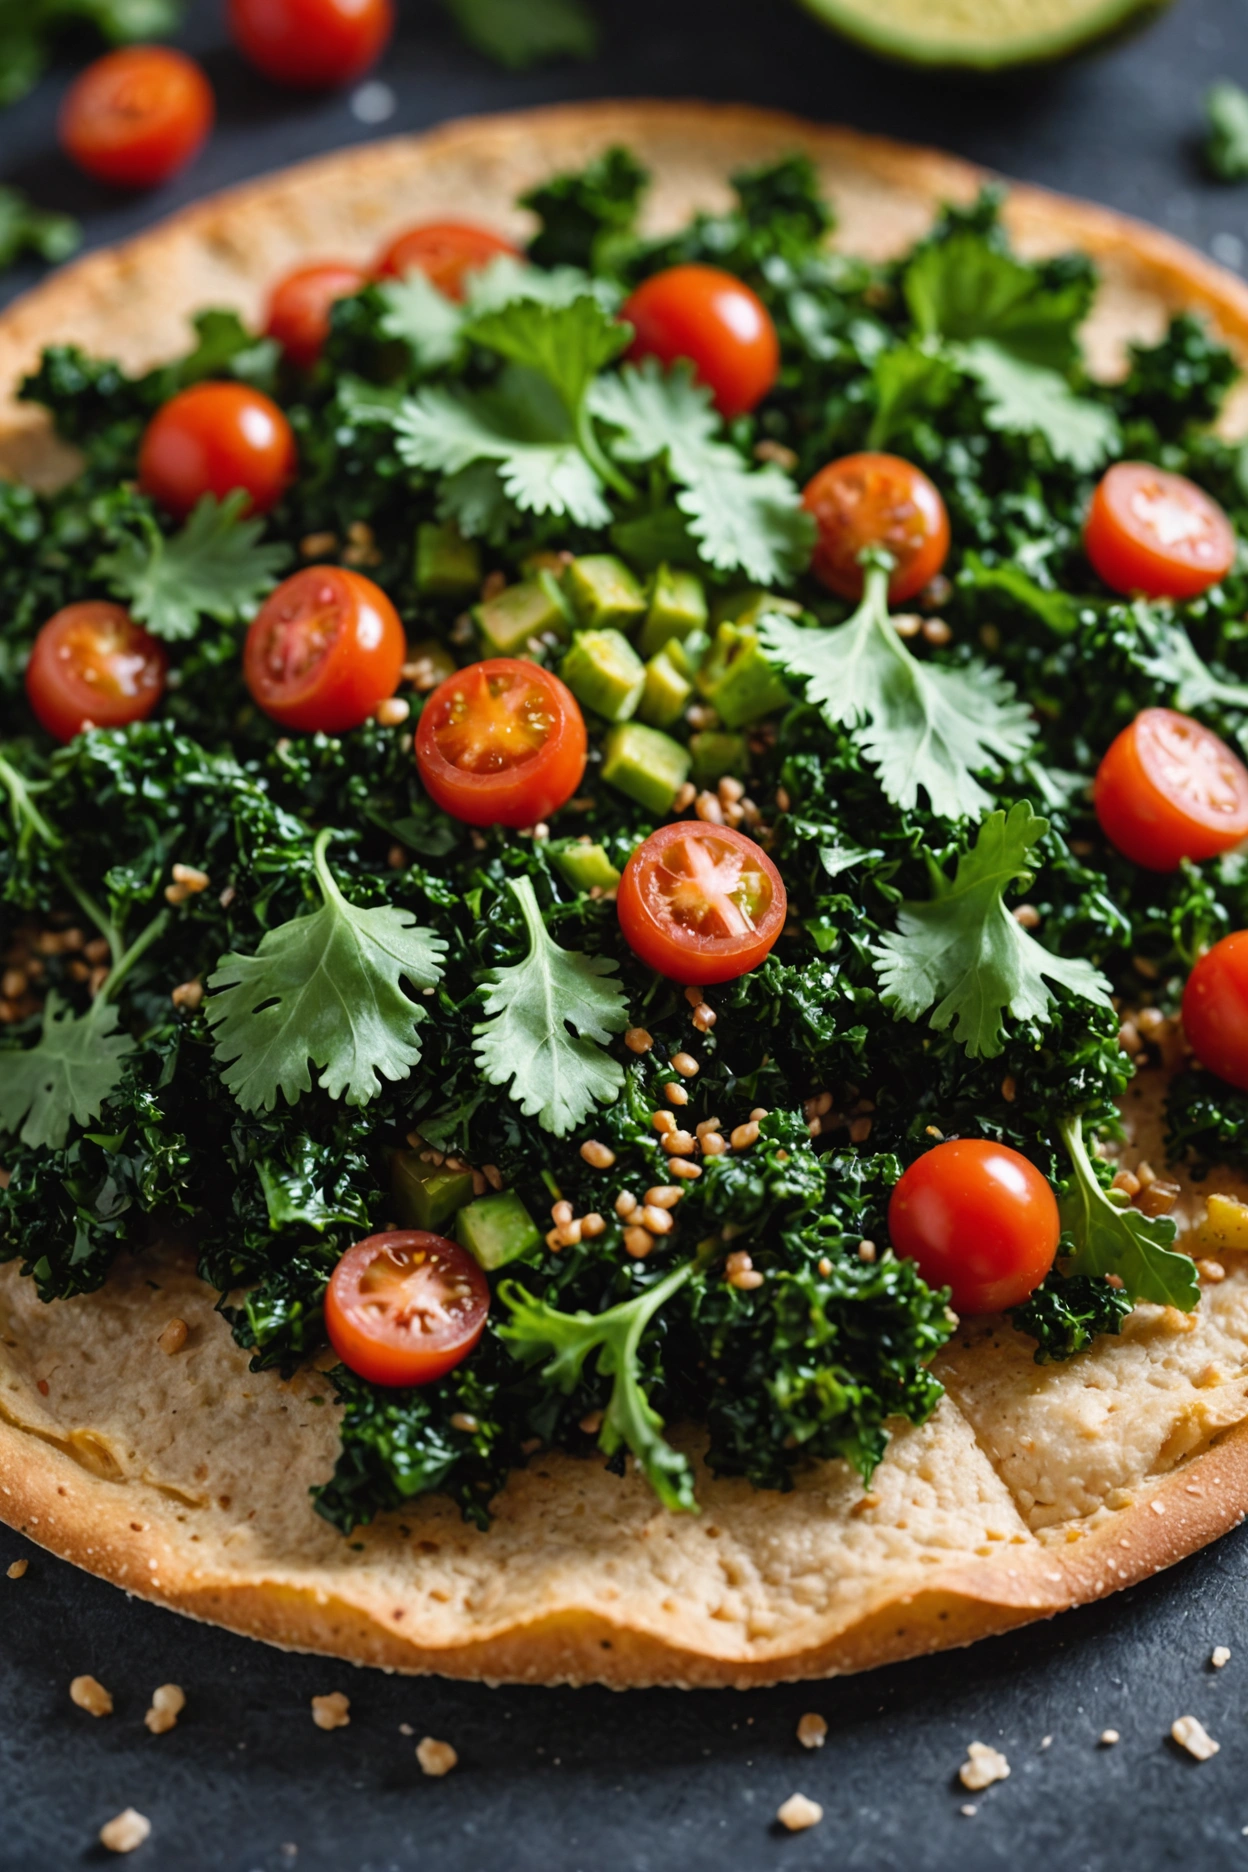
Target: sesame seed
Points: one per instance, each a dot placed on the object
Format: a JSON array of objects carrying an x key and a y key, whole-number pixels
[
  {"x": 597, "y": 1156},
  {"x": 1221, "y": 1656},
  {"x": 693, "y": 996},
  {"x": 193, "y": 879},
  {"x": 125, "y": 1831},
  {"x": 393, "y": 711},
  {"x": 982, "y": 1767},
  {"x": 685, "y": 1065},
  {"x": 493, "y": 1176},
  {"x": 625, "y": 1205},
  {"x": 1009, "y": 1088},
  {"x": 823, "y": 1266},
  {"x": 465, "y": 1421},
  {"x": 1191, "y": 1734},
  {"x": 658, "y": 1221},
  {"x": 797, "y": 1813},
  {"x": 680, "y": 1167},
  {"x": 638, "y": 1242},
  {"x": 679, "y": 1144},
  {"x": 730, "y": 790},
  {"x": 812, "y": 1731},
  {"x": 17, "y": 1570},
  {"x": 684, "y": 796},
  {"x": 90, "y": 1695},
  {"x": 758, "y": 1114},
  {"x": 713, "y": 1144},
  {"x": 742, "y": 1137},
  {"x": 866, "y": 1251},
  {"x": 168, "y": 1702},
  {"x": 664, "y": 1196},
  {"x": 936, "y": 631},
  {"x": 569, "y": 1234},
  {"x": 663, "y": 1122},
  {"x": 1108, "y": 1737},
  {"x": 709, "y": 809},
  {"x": 435, "y": 1758},
  {"x": 675, "y": 1094},
  {"x": 1027, "y": 915},
  {"x": 592, "y": 1225},
  {"x": 637, "y": 1040},
  {"x": 561, "y": 1213},
  {"x": 332, "y": 1711},
  {"x": 704, "y": 1018},
  {"x": 859, "y": 1130},
  {"x": 740, "y": 1272},
  {"x": 173, "y": 1338}
]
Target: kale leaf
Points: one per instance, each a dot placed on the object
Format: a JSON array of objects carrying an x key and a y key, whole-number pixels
[
  {"x": 1067, "y": 1312},
  {"x": 1113, "y": 1238},
  {"x": 1226, "y": 146}
]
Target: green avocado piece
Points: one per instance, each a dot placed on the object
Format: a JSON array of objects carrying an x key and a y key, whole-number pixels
[
  {"x": 686, "y": 654},
  {"x": 520, "y": 612},
  {"x": 604, "y": 592},
  {"x": 424, "y": 1195},
  {"x": 737, "y": 680},
  {"x": 584, "y": 867},
  {"x": 982, "y": 35},
  {"x": 677, "y": 607},
  {"x": 447, "y": 565},
  {"x": 716, "y": 754},
  {"x": 746, "y": 604},
  {"x": 666, "y": 692},
  {"x": 604, "y": 673},
  {"x": 497, "y": 1229},
  {"x": 646, "y": 764}
]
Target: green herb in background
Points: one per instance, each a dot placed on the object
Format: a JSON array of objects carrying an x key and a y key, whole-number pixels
[
  {"x": 25, "y": 229},
  {"x": 31, "y": 29},
  {"x": 1226, "y": 145},
  {"x": 520, "y": 33}
]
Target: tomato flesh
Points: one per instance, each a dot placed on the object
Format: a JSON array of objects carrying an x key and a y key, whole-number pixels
[
  {"x": 137, "y": 116},
  {"x": 979, "y": 1219},
  {"x": 872, "y": 499},
  {"x": 300, "y": 305},
  {"x": 211, "y": 439},
  {"x": 446, "y": 252},
  {"x": 404, "y": 1307},
  {"x": 323, "y": 650},
  {"x": 501, "y": 743},
  {"x": 92, "y": 665},
  {"x": 1169, "y": 789},
  {"x": 311, "y": 44},
  {"x": 701, "y": 903},
  {"x": 1215, "y": 1009},
  {"x": 714, "y": 321},
  {"x": 1156, "y": 533}
]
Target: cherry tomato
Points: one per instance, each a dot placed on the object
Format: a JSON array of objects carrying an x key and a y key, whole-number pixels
[
  {"x": 323, "y": 650},
  {"x": 137, "y": 116},
  {"x": 717, "y": 323},
  {"x": 211, "y": 439},
  {"x": 501, "y": 743},
  {"x": 1169, "y": 789},
  {"x": 446, "y": 252},
  {"x": 1156, "y": 533},
  {"x": 300, "y": 305},
  {"x": 876, "y": 500},
  {"x": 979, "y": 1219},
  {"x": 311, "y": 44},
  {"x": 403, "y": 1308},
  {"x": 701, "y": 903},
  {"x": 92, "y": 665},
  {"x": 1215, "y": 1009}
]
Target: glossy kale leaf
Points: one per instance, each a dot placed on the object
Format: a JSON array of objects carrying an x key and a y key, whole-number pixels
[
  {"x": 588, "y": 214},
  {"x": 1067, "y": 1312},
  {"x": 1114, "y": 1238}
]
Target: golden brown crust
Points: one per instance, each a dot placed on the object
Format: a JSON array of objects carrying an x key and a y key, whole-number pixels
[{"x": 184, "y": 1479}]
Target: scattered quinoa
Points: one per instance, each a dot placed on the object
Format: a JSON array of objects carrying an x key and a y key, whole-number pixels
[
  {"x": 812, "y": 1731},
  {"x": 332, "y": 1711},
  {"x": 798, "y": 1812},
  {"x": 17, "y": 1570},
  {"x": 90, "y": 1695},
  {"x": 983, "y": 1766},
  {"x": 1191, "y": 1734},
  {"x": 435, "y": 1758},
  {"x": 125, "y": 1831},
  {"x": 1221, "y": 1653},
  {"x": 168, "y": 1702},
  {"x": 1108, "y": 1737}
]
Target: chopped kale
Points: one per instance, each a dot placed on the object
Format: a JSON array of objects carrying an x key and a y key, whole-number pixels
[{"x": 1068, "y": 1312}]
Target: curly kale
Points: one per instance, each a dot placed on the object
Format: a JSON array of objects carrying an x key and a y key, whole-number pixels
[{"x": 1067, "y": 1312}]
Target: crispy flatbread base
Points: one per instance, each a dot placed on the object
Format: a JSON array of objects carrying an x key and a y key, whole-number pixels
[{"x": 184, "y": 1478}]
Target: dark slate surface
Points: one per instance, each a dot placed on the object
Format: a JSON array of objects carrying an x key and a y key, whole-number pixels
[{"x": 589, "y": 1781}]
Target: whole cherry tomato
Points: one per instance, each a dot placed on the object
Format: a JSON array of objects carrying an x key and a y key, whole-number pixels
[
  {"x": 300, "y": 305},
  {"x": 1169, "y": 789},
  {"x": 311, "y": 44},
  {"x": 979, "y": 1219},
  {"x": 405, "y": 1307},
  {"x": 323, "y": 650},
  {"x": 1215, "y": 1009},
  {"x": 701, "y": 903},
  {"x": 446, "y": 252},
  {"x": 92, "y": 665},
  {"x": 876, "y": 500},
  {"x": 211, "y": 439},
  {"x": 1156, "y": 533},
  {"x": 717, "y": 323},
  {"x": 501, "y": 743},
  {"x": 137, "y": 116}
]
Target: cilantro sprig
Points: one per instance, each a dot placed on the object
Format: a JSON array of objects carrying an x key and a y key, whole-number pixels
[
  {"x": 1111, "y": 1237},
  {"x": 215, "y": 566}
]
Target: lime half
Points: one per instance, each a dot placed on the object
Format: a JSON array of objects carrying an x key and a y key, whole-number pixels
[{"x": 980, "y": 34}]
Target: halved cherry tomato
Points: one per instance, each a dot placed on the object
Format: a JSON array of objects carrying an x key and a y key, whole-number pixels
[
  {"x": 446, "y": 252},
  {"x": 717, "y": 323},
  {"x": 979, "y": 1219},
  {"x": 211, "y": 439},
  {"x": 876, "y": 500},
  {"x": 501, "y": 743},
  {"x": 1215, "y": 1009},
  {"x": 403, "y": 1308},
  {"x": 323, "y": 650},
  {"x": 137, "y": 116},
  {"x": 1169, "y": 789},
  {"x": 92, "y": 665},
  {"x": 701, "y": 903},
  {"x": 311, "y": 44},
  {"x": 1156, "y": 533},
  {"x": 300, "y": 305}
]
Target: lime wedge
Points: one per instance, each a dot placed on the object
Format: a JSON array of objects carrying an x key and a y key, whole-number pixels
[{"x": 981, "y": 34}]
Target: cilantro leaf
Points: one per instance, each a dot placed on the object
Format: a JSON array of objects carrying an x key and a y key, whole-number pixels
[
  {"x": 1028, "y": 399},
  {"x": 964, "y": 952},
  {"x": 1054, "y": 608},
  {"x": 30, "y": 32},
  {"x": 907, "y": 379},
  {"x": 26, "y": 229},
  {"x": 1171, "y": 657},
  {"x": 1109, "y": 1239},
  {"x": 73, "y": 1068},
  {"x": 325, "y": 988},
  {"x": 524, "y": 1043},
  {"x": 964, "y": 287},
  {"x": 433, "y": 326},
  {"x": 565, "y": 344},
  {"x": 921, "y": 724},
  {"x": 422, "y": 318},
  {"x": 522, "y": 35},
  {"x": 1226, "y": 146},
  {"x": 214, "y": 567},
  {"x": 505, "y": 279},
  {"x": 536, "y": 1330}
]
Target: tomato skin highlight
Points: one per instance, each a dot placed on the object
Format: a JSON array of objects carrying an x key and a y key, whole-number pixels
[
  {"x": 446, "y": 252},
  {"x": 677, "y": 909},
  {"x": 1156, "y": 534},
  {"x": 714, "y": 321},
  {"x": 300, "y": 305},
  {"x": 211, "y": 439},
  {"x": 872, "y": 499},
  {"x": 92, "y": 663},
  {"x": 1215, "y": 1009},
  {"x": 501, "y": 743},
  {"x": 979, "y": 1219},
  {"x": 405, "y": 1307},
  {"x": 311, "y": 45},
  {"x": 137, "y": 116},
  {"x": 1169, "y": 789},
  {"x": 323, "y": 650}
]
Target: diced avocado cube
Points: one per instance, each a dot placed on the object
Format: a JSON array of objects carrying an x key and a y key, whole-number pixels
[
  {"x": 604, "y": 673},
  {"x": 666, "y": 692},
  {"x": 520, "y": 612},
  {"x": 429, "y": 662},
  {"x": 677, "y": 607},
  {"x": 584, "y": 867},
  {"x": 715, "y": 754},
  {"x": 746, "y": 604},
  {"x": 737, "y": 680},
  {"x": 447, "y": 565},
  {"x": 604, "y": 592},
  {"x": 646, "y": 764},
  {"x": 497, "y": 1229},
  {"x": 425, "y": 1196},
  {"x": 688, "y": 653}
]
